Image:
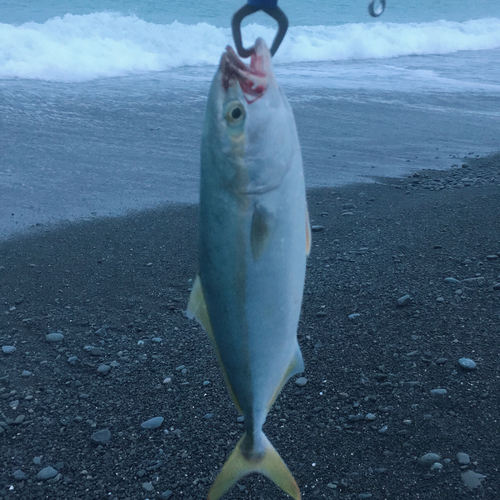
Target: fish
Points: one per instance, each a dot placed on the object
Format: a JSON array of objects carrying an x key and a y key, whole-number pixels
[{"x": 254, "y": 239}]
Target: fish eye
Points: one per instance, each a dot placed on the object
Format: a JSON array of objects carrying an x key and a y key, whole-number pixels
[{"x": 235, "y": 112}]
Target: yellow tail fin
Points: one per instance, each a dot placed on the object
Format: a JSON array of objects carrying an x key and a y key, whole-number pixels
[{"x": 270, "y": 465}]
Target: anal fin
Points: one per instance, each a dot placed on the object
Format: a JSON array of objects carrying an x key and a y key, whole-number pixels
[{"x": 197, "y": 309}]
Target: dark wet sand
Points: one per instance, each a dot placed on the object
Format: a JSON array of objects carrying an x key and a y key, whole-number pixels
[{"x": 110, "y": 283}]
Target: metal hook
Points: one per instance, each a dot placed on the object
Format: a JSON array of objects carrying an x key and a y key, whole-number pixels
[
  {"x": 378, "y": 10},
  {"x": 276, "y": 13}
]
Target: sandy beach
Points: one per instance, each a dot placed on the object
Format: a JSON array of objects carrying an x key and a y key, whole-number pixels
[{"x": 116, "y": 289}]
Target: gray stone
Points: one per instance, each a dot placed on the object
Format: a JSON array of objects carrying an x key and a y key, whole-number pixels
[
  {"x": 37, "y": 460},
  {"x": 467, "y": 364},
  {"x": 103, "y": 369},
  {"x": 403, "y": 301},
  {"x": 436, "y": 466},
  {"x": 47, "y": 473},
  {"x": 439, "y": 392},
  {"x": 54, "y": 337},
  {"x": 463, "y": 458},
  {"x": 97, "y": 351},
  {"x": 365, "y": 495},
  {"x": 8, "y": 349},
  {"x": 206, "y": 382},
  {"x": 451, "y": 280},
  {"x": 301, "y": 381},
  {"x": 26, "y": 373},
  {"x": 472, "y": 479},
  {"x": 428, "y": 459},
  {"x": 19, "y": 475},
  {"x": 370, "y": 416},
  {"x": 148, "y": 486},
  {"x": 317, "y": 228},
  {"x": 166, "y": 495},
  {"x": 241, "y": 419},
  {"x": 492, "y": 257},
  {"x": 72, "y": 360},
  {"x": 101, "y": 436},
  {"x": 153, "y": 423}
]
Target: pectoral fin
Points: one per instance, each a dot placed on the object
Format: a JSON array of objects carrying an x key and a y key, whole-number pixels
[
  {"x": 263, "y": 223},
  {"x": 270, "y": 465},
  {"x": 197, "y": 309}
]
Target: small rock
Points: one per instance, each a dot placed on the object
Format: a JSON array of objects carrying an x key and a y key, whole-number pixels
[
  {"x": 463, "y": 458},
  {"x": 436, "y": 466},
  {"x": 240, "y": 419},
  {"x": 383, "y": 429},
  {"x": 72, "y": 360},
  {"x": 428, "y": 459},
  {"x": 181, "y": 367},
  {"x": 467, "y": 364},
  {"x": 496, "y": 286},
  {"x": 47, "y": 473},
  {"x": 403, "y": 301},
  {"x": 354, "y": 315},
  {"x": 8, "y": 349},
  {"x": 157, "y": 339},
  {"x": 365, "y": 495},
  {"x": 103, "y": 369},
  {"x": 492, "y": 257},
  {"x": 206, "y": 382},
  {"x": 54, "y": 337},
  {"x": 317, "y": 228},
  {"x": 148, "y": 486},
  {"x": 472, "y": 479},
  {"x": 97, "y": 351},
  {"x": 26, "y": 373},
  {"x": 301, "y": 381},
  {"x": 439, "y": 392},
  {"x": 166, "y": 495},
  {"x": 440, "y": 299},
  {"x": 370, "y": 417},
  {"x": 208, "y": 416},
  {"x": 152, "y": 423},
  {"x": 37, "y": 460},
  {"x": 101, "y": 437},
  {"x": 451, "y": 280},
  {"x": 19, "y": 475},
  {"x": 167, "y": 380}
]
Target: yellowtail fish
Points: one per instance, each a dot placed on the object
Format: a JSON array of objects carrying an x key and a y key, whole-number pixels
[{"x": 254, "y": 241}]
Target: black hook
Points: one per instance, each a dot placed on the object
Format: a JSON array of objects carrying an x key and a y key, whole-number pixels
[
  {"x": 276, "y": 13},
  {"x": 376, "y": 11}
]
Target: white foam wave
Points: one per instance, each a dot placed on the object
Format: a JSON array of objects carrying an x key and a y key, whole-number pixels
[{"x": 79, "y": 48}]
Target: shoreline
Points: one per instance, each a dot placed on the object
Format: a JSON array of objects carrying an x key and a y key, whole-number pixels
[{"x": 366, "y": 414}]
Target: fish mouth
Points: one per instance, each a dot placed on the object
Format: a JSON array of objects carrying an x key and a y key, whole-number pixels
[{"x": 253, "y": 78}]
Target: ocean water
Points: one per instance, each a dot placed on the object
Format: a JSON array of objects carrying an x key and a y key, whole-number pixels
[{"x": 101, "y": 105}]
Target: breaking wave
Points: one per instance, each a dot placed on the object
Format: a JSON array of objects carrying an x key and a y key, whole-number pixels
[{"x": 104, "y": 44}]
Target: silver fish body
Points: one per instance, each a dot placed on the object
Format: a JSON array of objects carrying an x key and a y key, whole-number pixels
[{"x": 254, "y": 241}]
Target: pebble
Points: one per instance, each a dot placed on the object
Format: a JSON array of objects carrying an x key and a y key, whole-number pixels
[
  {"x": 167, "y": 380},
  {"x": 436, "y": 466},
  {"x": 472, "y": 479},
  {"x": 26, "y": 373},
  {"x": 354, "y": 316},
  {"x": 148, "y": 486},
  {"x": 72, "y": 360},
  {"x": 383, "y": 429},
  {"x": 157, "y": 339},
  {"x": 403, "y": 301},
  {"x": 19, "y": 475},
  {"x": 492, "y": 257},
  {"x": 37, "y": 460},
  {"x": 54, "y": 337},
  {"x": 439, "y": 392},
  {"x": 301, "y": 381},
  {"x": 317, "y": 228},
  {"x": 241, "y": 419},
  {"x": 440, "y": 299},
  {"x": 152, "y": 423},
  {"x": 47, "y": 473},
  {"x": 428, "y": 459},
  {"x": 496, "y": 286},
  {"x": 451, "y": 280},
  {"x": 103, "y": 369},
  {"x": 208, "y": 416},
  {"x": 101, "y": 437},
  {"x": 97, "y": 351},
  {"x": 365, "y": 495},
  {"x": 463, "y": 458},
  {"x": 8, "y": 349},
  {"x": 206, "y": 382},
  {"x": 370, "y": 416},
  {"x": 181, "y": 367},
  {"x": 467, "y": 364},
  {"x": 166, "y": 495}
]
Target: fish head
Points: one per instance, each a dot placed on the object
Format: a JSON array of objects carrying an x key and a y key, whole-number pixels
[{"x": 249, "y": 137}]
